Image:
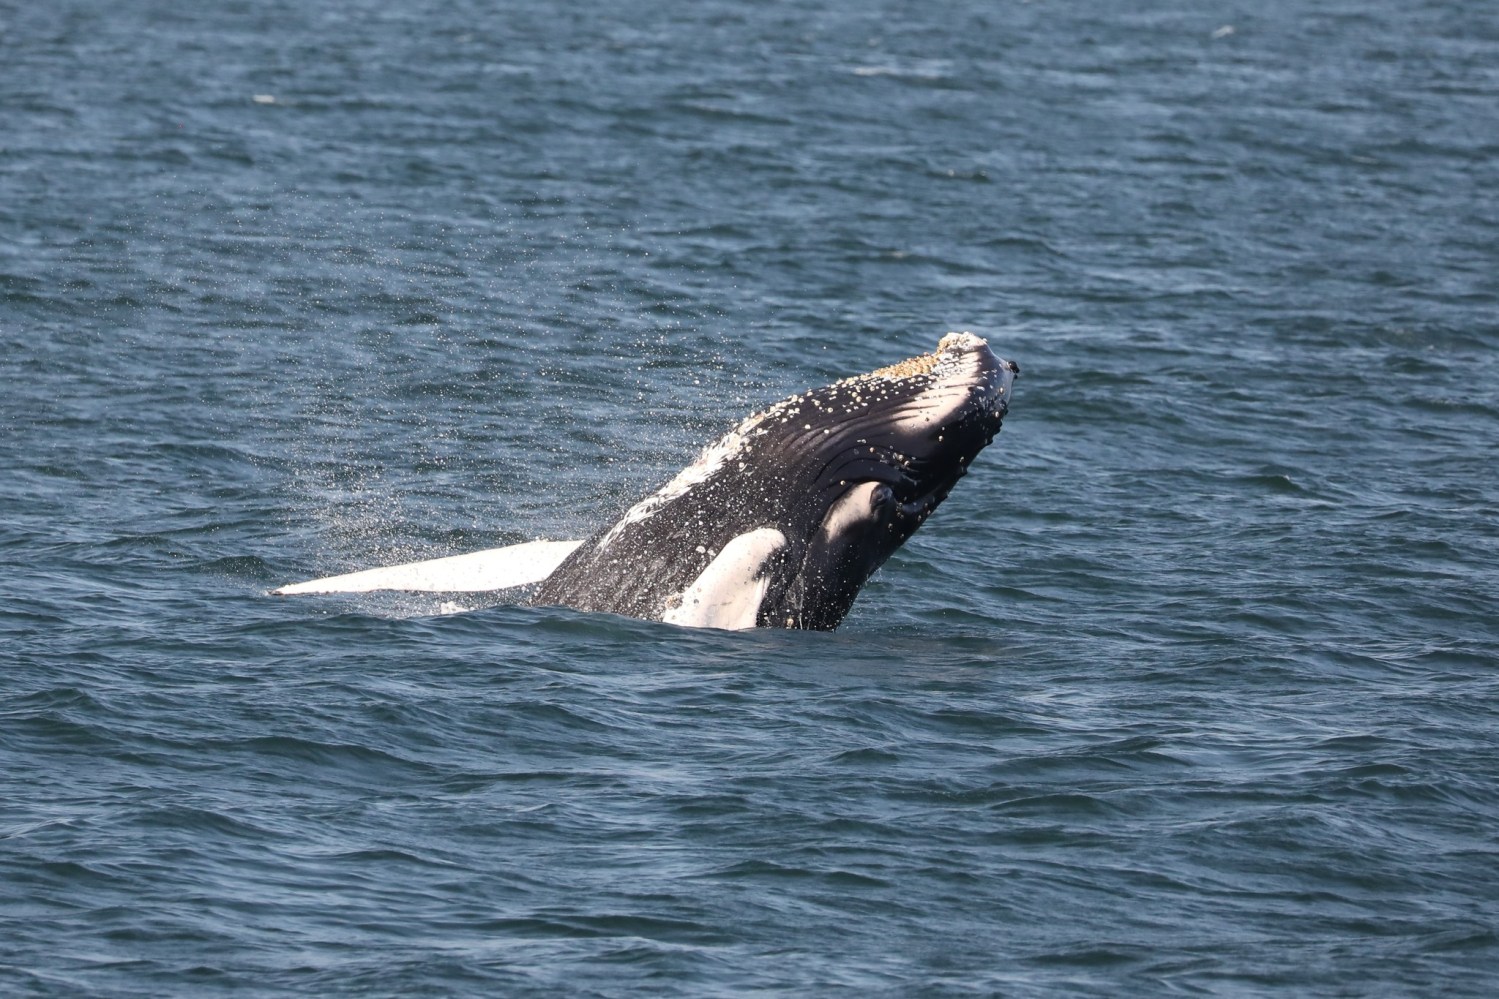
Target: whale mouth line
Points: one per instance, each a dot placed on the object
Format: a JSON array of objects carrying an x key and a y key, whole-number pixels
[
  {"x": 925, "y": 503},
  {"x": 916, "y": 494}
]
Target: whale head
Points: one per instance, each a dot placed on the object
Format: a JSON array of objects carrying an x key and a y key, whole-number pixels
[
  {"x": 881, "y": 451},
  {"x": 781, "y": 522}
]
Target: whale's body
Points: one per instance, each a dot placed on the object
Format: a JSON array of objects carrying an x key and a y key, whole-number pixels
[{"x": 780, "y": 523}]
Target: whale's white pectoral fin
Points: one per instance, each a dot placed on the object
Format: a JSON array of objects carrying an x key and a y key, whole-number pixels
[
  {"x": 491, "y": 569},
  {"x": 728, "y": 593}
]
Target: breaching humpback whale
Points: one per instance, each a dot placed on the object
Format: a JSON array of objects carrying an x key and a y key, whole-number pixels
[{"x": 780, "y": 523}]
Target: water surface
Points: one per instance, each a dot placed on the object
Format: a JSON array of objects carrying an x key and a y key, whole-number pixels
[{"x": 1189, "y": 688}]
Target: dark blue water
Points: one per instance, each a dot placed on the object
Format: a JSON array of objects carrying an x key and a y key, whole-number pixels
[{"x": 1191, "y": 688}]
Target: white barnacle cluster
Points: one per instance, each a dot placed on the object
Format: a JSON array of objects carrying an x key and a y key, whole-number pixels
[
  {"x": 929, "y": 388},
  {"x": 948, "y": 359}
]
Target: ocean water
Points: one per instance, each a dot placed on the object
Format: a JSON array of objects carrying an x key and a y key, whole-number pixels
[{"x": 1192, "y": 687}]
